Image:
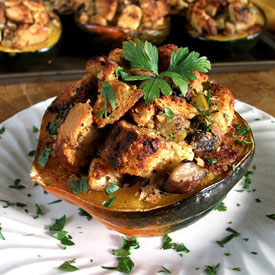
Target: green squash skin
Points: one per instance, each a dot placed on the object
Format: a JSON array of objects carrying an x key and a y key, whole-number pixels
[
  {"x": 178, "y": 215},
  {"x": 29, "y": 60}
]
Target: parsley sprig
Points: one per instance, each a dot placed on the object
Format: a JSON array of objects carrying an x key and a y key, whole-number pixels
[
  {"x": 181, "y": 63},
  {"x": 107, "y": 92}
]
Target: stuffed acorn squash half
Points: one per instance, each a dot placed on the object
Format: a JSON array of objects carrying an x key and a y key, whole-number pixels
[
  {"x": 109, "y": 23},
  {"x": 144, "y": 142},
  {"x": 29, "y": 34}
]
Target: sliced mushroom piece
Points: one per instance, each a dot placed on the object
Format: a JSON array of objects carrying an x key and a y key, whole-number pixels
[{"x": 185, "y": 178}]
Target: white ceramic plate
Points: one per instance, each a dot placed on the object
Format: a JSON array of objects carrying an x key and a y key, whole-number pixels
[{"x": 29, "y": 248}]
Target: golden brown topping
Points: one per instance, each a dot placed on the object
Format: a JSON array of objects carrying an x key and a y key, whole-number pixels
[{"x": 24, "y": 23}]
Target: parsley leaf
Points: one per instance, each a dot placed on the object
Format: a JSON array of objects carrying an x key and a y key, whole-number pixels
[
  {"x": 1, "y": 235},
  {"x": 110, "y": 201},
  {"x": 181, "y": 63},
  {"x": 52, "y": 127},
  {"x": 111, "y": 188},
  {"x": 83, "y": 213},
  {"x": 59, "y": 233},
  {"x": 271, "y": 216},
  {"x": 44, "y": 156},
  {"x": 2, "y": 130},
  {"x": 132, "y": 243},
  {"x": 141, "y": 57},
  {"x": 125, "y": 265},
  {"x": 168, "y": 244},
  {"x": 221, "y": 207},
  {"x": 152, "y": 87},
  {"x": 32, "y": 153},
  {"x": 79, "y": 186},
  {"x": 164, "y": 270},
  {"x": 169, "y": 113},
  {"x": 107, "y": 91},
  {"x": 34, "y": 129},
  {"x": 17, "y": 185},
  {"x": 211, "y": 270},
  {"x": 68, "y": 267},
  {"x": 212, "y": 161},
  {"x": 59, "y": 224},
  {"x": 229, "y": 237},
  {"x": 38, "y": 211}
]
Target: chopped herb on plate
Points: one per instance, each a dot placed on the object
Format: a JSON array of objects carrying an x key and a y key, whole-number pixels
[
  {"x": 229, "y": 237},
  {"x": 132, "y": 243},
  {"x": 125, "y": 265},
  {"x": 38, "y": 211},
  {"x": 1, "y": 235},
  {"x": 17, "y": 185},
  {"x": 83, "y": 213},
  {"x": 168, "y": 244},
  {"x": 164, "y": 270},
  {"x": 68, "y": 267},
  {"x": 221, "y": 207},
  {"x": 211, "y": 269}
]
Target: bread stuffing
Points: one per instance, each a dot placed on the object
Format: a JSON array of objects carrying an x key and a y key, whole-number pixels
[{"x": 143, "y": 118}]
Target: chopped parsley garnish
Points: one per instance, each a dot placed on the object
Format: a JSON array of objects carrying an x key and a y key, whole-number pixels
[
  {"x": 258, "y": 200},
  {"x": 110, "y": 201},
  {"x": 124, "y": 251},
  {"x": 247, "y": 180},
  {"x": 59, "y": 233},
  {"x": 146, "y": 57},
  {"x": 241, "y": 130},
  {"x": 44, "y": 156},
  {"x": 62, "y": 114},
  {"x": 17, "y": 185},
  {"x": 221, "y": 207},
  {"x": 236, "y": 269},
  {"x": 125, "y": 265},
  {"x": 212, "y": 160},
  {"x": 79, "y": 186},
  {"x": 271, "y": 216},
  {"x": 1, "y": 235},
  {"x": 227, "y": 254},
  {"x": 211, "y": 269},
  {"x": 32, "y": 153},
  {"x": 229, "y": 237},
  {"x": 107, "y": 91},
  {"x": 59, "y": 224},
  {"x": 254, "y": 167},
  {"x": 56, "y": 201},
  {"x": 168, "y": 244},
  {"x": 35, "y": 129},
  {"x": 8, "y": 204},
  {"x": 83, "y": 213},
  {"x": 254, "y": 253},
  {"x": 164, "y": 270},
  {"x": 111, "y": 188},
  {"x": 52, "y": 127},
  {"x": 169, "y": 113},
  {"x": 242, "y": 142},
  {"x": 2, "y": 130},
  {"x": 68, "y": 267},
  {"x": 38, "y": 211}
]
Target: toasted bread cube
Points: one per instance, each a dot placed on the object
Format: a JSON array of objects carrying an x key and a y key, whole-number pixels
[
  {"x": 223, "y": 102},
  {"x": 143, "y": 114},
  {"x": 139, "y": 151},
  {"x": 106, "y": 8},
  {"x": 126, "y": 97},
  {"x": 130, "y": 17},
  {"x": 178, "y": 106},
  {"x": 101, "y": 174},
  {"x": 75, "y": 138}
]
